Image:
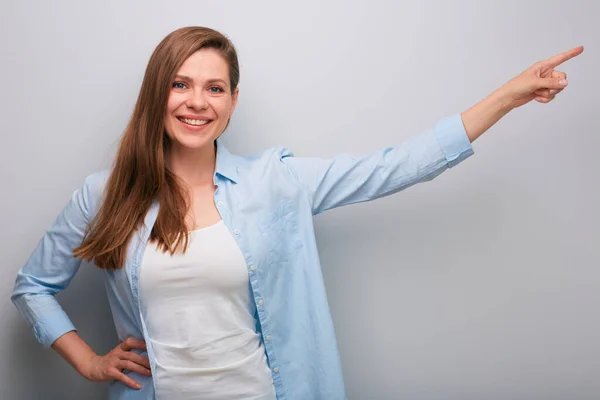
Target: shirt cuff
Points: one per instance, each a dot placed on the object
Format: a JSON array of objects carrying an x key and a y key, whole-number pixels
[
  {"x": 453, "y": 140},
  {"x": 52, "y": 326}
]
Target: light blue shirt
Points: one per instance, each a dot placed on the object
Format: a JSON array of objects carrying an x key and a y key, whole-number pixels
[{"x": 267, "y": 202}]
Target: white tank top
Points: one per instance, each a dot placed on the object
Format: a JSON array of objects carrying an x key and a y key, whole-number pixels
[{"x": 199, "y": 313}]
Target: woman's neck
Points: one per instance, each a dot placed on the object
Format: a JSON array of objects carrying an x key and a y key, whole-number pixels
[{"x": 196, "y": 167}]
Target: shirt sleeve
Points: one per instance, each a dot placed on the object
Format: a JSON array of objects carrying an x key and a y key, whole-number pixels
[
  {"x": 346, "y": 179},
  {"x": 50, "y": 268}
]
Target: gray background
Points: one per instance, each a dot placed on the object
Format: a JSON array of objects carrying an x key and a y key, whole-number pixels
[{"x": 482, "y": 284}]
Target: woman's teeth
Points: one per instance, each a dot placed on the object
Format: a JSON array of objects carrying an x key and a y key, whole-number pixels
[{"x": 196, "y": 122}]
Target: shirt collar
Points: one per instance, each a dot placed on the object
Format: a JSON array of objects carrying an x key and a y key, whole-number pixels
[{"x": 226, "y": 163}]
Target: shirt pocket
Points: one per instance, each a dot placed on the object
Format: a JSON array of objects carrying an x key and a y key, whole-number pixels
[
  {"x": 274, "y": 221},
  {"x": 280, "y": 231}
]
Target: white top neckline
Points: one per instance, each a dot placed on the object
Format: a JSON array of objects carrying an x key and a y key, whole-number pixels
[{"x": 205, "y": 228}]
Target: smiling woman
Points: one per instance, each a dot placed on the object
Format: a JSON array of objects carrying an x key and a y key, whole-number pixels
[
  {"x": 200, "y": 100},
  {"x": 210, "y": 259}
]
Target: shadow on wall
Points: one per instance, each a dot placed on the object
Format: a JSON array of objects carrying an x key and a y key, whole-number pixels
[{"x": 41, "y": 373}]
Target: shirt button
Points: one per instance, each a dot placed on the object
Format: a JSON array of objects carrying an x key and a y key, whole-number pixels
[
  {"x": 236, "y": 231},
  {"x": 267, "y": 338},
  {"x": 220, "y": 203},
  {"x": 260, "y": 302},
  {"x": 275, "y": 369},
  {"x": 253, "y": 268}
]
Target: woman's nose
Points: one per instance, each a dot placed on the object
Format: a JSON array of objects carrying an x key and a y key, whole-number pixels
[{"x": 197, "y": 101}]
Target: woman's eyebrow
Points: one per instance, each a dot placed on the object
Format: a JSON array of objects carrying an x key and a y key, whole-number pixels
[
  {"x": 183, "y": 78},
  {"x": 217, "y": 81}
]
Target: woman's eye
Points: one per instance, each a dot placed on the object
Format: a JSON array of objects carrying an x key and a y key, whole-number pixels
[
  {"x": 179, "y": 85},
  {"x": 215, "y": 89}
]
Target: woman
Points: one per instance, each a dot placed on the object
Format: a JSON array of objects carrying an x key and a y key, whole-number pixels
[{"x": 210, "y": 260}]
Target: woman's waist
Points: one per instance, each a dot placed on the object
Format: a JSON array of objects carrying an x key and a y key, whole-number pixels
[{"x": 206, "y": 351}]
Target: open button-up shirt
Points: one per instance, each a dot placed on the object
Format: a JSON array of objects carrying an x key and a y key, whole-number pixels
[{"x": 267, "y": 202}]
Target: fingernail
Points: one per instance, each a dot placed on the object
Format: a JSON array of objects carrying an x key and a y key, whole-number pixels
[
  {"x": 553, "y": 91},
  {"x": 562, "y": 82}
]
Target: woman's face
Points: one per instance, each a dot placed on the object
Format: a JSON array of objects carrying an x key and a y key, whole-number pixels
[{"x": 200, "y": 101}]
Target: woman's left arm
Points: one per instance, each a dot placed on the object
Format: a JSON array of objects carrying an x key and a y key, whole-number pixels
[{"x": 346, "y": 179}]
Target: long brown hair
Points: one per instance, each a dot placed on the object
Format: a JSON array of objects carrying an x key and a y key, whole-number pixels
[{"x": 139, "y": 174}]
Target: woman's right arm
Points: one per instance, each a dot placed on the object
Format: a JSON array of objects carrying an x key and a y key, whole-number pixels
[
  {"x": 52, "y": 265},
  {"x": 48, "y": 271}
]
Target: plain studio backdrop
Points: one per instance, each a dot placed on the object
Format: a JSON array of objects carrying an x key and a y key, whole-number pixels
[{"x": 482, "y": 284}]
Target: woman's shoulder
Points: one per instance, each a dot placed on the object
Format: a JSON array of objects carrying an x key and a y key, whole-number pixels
[
  {"x": 253, "y": 167},
  {"x": 93, "y": 188},
  {"x": 94, "y": 183}
]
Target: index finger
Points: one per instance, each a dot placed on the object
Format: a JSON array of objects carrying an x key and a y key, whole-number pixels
[
  {"x": 133, "y": 343},
  {"x": 562, "y": 57}
]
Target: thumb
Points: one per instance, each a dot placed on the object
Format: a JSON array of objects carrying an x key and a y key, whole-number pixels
[{"x": 552, "y": 83}]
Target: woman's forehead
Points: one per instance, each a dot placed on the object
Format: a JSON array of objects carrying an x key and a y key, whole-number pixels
[{"x": 205, "y": 64}]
